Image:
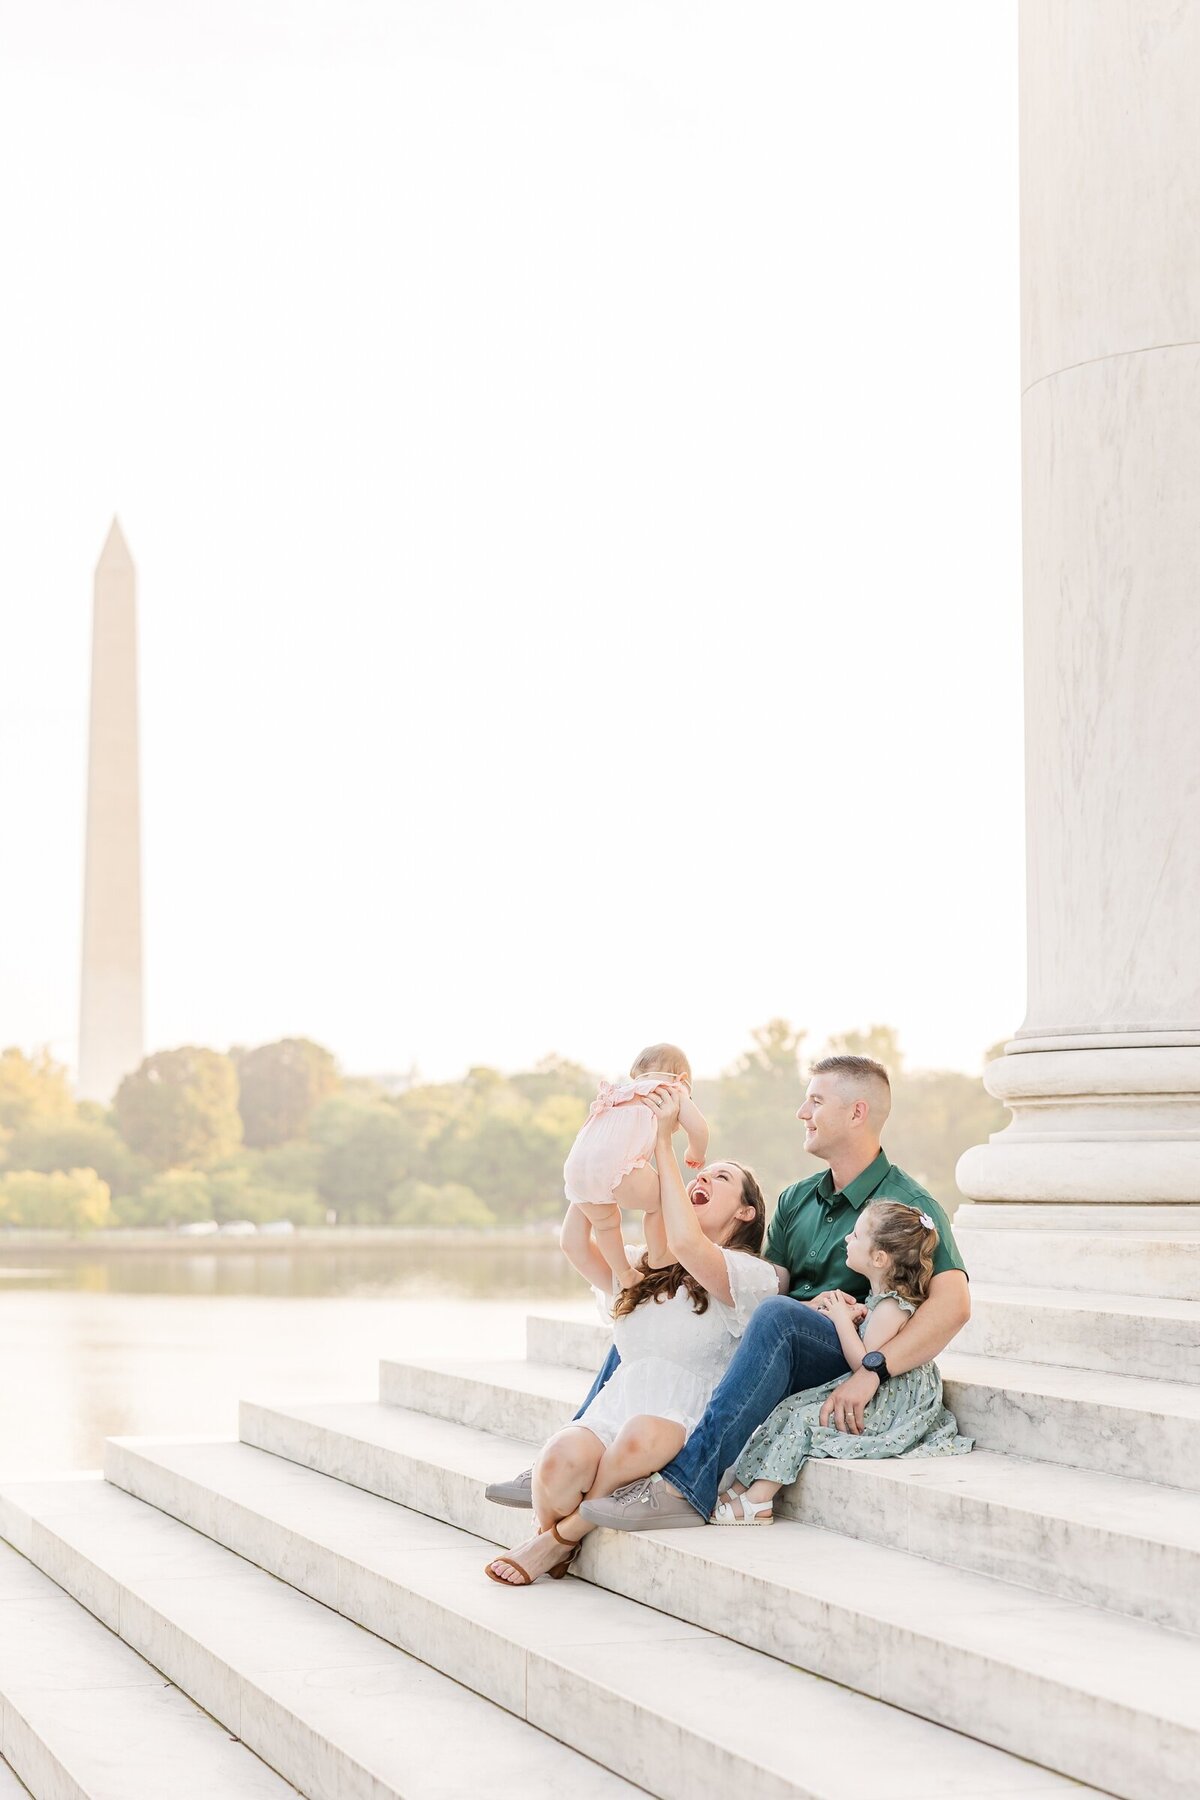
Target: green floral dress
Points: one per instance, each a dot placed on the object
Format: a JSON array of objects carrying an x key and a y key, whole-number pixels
[{"x": 905, "y": 1418}]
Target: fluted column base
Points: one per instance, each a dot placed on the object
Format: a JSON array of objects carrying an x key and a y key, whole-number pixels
[{"x": 1112, "y": 1125}]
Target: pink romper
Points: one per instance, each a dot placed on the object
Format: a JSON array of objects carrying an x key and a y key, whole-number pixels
[{"x": 616, "y": 1137}]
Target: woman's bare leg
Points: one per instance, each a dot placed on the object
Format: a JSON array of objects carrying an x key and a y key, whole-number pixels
[
  {"x": 562, "y": 1474},
  {"x": 643, "y": 1445}
]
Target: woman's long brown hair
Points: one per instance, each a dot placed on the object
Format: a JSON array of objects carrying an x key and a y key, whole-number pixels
[{"x": 664, "y": 1284}]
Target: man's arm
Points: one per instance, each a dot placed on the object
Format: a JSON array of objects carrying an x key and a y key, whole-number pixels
[{"x": 940, "y": 1318}]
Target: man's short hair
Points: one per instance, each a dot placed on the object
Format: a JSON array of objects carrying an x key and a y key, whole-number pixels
[{"x": 869, "y": 1077}]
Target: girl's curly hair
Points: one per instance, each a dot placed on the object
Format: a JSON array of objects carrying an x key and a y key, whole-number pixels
[
  {"x": 901, "y": 1233},
  {"x": 664, "y": 1284}
]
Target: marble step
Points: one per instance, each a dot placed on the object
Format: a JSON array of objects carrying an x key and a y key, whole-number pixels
[
  {"x": 1098, "y": 1539},
  {"x": 1118, "y": 1334},
  {"x": 83, "y": 1717},
  {"x": 1117, "y": 1424},
  {"x": 331, "y": 1707},
  {"x": 1143, "y": 1250},
  {"x": 690, "y": 1711}
]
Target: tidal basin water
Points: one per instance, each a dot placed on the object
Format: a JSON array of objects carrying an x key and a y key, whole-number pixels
[{"x": 119, "y": 1343}]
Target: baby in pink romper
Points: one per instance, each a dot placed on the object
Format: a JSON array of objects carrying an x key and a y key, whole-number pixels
[{"x": 609, "y": 1169}]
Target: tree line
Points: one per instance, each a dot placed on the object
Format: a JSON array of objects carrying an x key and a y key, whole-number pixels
[{"x": 277, "y": 1132}]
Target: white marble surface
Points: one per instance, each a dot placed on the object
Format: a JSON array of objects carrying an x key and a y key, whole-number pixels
[
  {"x": 1119, "y": 1425},
  {"x": 11, "y": 1788},
  {"x": 621, "y": 1679},
  {"x": 1110, "y": 1333},
  {"x": 1116, "y": 1424},
  {"x": 1110, "y": 180},
  {"x": 241, "y": 1642},
  {"x": 1064, "y": 1248},
  {"x": 1103, "y": 1540},
  {"x": 1104, "y": 1075},
  {"x": 82, "y": 1715}
]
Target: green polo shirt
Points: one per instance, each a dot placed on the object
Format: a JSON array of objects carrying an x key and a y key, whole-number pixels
[{"x": 812, "y": 1222}]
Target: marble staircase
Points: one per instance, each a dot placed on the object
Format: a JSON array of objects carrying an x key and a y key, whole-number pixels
[{"x": 1024, "y": 1621}]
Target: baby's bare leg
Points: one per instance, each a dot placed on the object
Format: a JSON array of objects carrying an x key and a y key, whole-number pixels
[
  {"x": 606, "y": 1229},
  {"x": 638, "y": 1189}
]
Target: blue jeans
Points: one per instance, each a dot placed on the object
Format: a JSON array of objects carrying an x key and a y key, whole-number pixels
[
  {"x": 786, "y": 1347},
  {"x": 608, "y": 1369}
]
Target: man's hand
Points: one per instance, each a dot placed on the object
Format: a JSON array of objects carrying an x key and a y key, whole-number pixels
[{"x": 846, "y": 1405}]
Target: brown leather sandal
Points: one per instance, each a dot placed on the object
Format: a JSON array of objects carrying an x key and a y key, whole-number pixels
[
  {"x": 527, "y": 1580},
  {"x": 560, "y": 1569}
]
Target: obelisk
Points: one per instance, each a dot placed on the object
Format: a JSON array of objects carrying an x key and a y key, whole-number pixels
[{"x": 110, "y": 1010}]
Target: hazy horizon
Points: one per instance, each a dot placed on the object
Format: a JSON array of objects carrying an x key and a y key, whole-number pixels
[{"x": 571, "y": 458}]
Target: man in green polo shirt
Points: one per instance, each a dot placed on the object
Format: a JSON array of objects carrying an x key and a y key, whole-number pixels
[{"x": 788, "y": 1345}]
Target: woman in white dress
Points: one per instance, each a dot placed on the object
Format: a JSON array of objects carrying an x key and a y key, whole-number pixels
[{"x": 676, "y": 1331}]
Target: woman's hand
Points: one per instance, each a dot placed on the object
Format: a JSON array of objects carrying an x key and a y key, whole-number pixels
[{"x": 664, "y": 1102}]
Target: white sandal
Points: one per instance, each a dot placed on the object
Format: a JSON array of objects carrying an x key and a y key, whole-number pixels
[{"x": 753, "y": 1512}]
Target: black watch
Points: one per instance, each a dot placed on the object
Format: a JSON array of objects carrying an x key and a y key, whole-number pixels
[{"x": 874, "y": 1360}]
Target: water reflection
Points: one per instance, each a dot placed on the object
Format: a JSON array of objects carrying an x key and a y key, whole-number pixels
[
  {"x": 530, "y": 1272},
  {"x": 115, "y": 1343}
]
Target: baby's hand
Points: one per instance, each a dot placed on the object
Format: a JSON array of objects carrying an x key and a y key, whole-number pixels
[{"x": 694, "y": 1162}]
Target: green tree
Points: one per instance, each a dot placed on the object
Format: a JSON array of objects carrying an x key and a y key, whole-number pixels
[
  {"x": 367, "y": 1149},
  {"x": 79, "y": 1143},
  {"x": 445, "y": 1208},
  {"x": 880, "y": 1042},
  {"x": 179, "y": 1109},
  {"x": 291, "y": 1168},
  {"x": 504, "y": 1148},
  {"x": 32, "y": 1088},
  {"x": 936, "y": 1115},
  {"x": 176, "y": 1197},
  {"x": 280, "y": 1087},
  {"x": 555, "y": 1078},
  {"x": 752, "y": 1108},
  {"x": 239, "y": 1192},
  {"x": 67, "y": 1200}
]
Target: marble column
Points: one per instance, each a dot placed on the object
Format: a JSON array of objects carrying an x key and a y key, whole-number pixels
[
  {"x": 1103, "y": 1076},
  {"x": 110, "y": 1012}
]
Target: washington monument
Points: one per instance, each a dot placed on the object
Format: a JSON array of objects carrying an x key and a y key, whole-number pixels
[{"x": 110, "y": 1009}]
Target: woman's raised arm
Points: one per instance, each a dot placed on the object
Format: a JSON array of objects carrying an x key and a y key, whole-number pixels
[{"x": 688, "y": 1244}]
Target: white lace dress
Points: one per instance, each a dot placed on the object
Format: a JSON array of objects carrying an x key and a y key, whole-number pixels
[{"x": 672, "y": 1357}]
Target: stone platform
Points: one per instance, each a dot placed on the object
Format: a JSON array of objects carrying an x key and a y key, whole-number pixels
[{"x": 305, "y": 1610}]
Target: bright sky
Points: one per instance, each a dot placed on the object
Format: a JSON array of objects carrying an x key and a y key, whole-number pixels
[{"x": 571, "y": 456}]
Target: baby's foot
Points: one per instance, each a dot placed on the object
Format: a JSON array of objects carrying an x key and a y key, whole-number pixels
[{"x": 629, "y": 1278}]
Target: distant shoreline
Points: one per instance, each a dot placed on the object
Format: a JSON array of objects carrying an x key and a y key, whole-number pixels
[{"x": 307, "y": 1238}]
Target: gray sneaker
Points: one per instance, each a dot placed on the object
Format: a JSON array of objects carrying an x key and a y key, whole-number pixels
[
  {"x": 517, "y": 1492},
  {"x": 647, "y": 1505}
]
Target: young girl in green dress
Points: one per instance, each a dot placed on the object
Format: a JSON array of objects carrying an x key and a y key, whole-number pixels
[{"x": 892, "y": 1246}]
